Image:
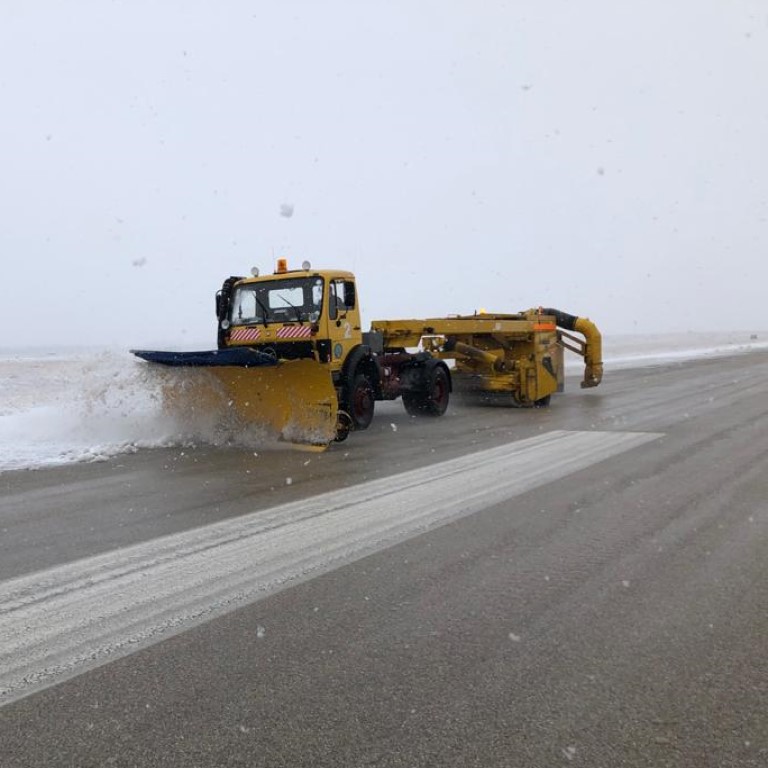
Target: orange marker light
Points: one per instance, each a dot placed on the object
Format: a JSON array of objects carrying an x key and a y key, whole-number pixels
[{"x": 282, "y": 265}]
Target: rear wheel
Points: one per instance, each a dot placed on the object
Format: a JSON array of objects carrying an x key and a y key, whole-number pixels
[
  {"x": 434, "y": 400},
  {"x": 360, "y": 402}
]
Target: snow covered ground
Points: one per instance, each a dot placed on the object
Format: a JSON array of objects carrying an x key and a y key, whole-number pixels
[
  {"x": 633, "y": 351},
  {"x": 69, "y": 405}
]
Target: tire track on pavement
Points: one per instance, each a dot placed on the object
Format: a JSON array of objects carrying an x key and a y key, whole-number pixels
[{"x": 62, "y": 621}]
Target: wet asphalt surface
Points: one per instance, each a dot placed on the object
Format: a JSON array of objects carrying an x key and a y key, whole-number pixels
[{"x": 616, "y": 617}]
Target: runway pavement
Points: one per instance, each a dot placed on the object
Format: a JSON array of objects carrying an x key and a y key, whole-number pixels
[{"x": 584, "y": 584}]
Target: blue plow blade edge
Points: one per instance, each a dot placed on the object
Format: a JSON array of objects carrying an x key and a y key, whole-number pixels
[{"x": 242, "y": 357}]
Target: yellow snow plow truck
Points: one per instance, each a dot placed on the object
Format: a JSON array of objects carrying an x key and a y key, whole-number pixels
[{"x": 292, "y": 355}]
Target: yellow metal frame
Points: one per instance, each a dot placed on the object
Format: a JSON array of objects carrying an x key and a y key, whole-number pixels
[{"x": 520, "y": 354}]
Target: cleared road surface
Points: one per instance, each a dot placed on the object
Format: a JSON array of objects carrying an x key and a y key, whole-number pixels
[{"x": 585, "y": 584}]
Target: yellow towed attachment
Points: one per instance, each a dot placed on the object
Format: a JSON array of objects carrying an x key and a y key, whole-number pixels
[{"x": 294, "y": 399}]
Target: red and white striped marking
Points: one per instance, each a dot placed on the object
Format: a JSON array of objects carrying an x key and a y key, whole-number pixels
[
  {"x": 245, "y": 334},
  {"x": 294, "y": 332}
]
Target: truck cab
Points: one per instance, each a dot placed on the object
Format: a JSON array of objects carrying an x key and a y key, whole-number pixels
[
  {"x": 292, "y": 314},
  {"x": 305, "y": 315}
]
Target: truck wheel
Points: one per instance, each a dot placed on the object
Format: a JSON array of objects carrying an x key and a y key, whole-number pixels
[
  {"x": 360, "y": 402},
  {"x": 434, "y": 401},
  {"x": 343, "y": 425}
]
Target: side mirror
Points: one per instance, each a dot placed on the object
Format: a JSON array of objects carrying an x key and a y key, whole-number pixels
[
  {"x": 349, "y": 295},
  {"x": 219, "y": 306}
]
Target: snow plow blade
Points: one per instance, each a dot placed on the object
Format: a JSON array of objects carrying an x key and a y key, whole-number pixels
[{"x": 293, "y": 399}]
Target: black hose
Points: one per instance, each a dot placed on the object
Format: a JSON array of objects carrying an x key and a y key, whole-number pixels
[{"x": 563, "y": 319}]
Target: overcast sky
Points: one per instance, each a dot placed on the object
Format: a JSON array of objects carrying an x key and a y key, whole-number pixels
[{"x": 609, "y": 159}]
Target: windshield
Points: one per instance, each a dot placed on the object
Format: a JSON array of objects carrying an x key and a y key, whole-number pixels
[{"x": 297, "y": 299}]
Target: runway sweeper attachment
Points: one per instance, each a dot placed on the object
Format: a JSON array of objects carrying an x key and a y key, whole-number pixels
[{"x": 512, "y": 358}]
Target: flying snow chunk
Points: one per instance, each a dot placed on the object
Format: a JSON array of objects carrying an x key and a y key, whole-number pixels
[
  {"x": 286, "y": 210},
  {"x": 139, "y": 262}
]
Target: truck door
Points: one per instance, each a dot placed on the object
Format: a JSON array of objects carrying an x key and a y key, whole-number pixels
[{"x": 344, "y": 316}]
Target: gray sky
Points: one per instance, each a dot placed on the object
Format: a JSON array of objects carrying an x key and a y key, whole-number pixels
[{"x": 609, "y": 159}]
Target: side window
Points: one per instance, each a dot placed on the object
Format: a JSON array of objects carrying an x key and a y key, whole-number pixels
[
  {"x": 341, "y": 297},
  {"x": 335, "y": 298}
]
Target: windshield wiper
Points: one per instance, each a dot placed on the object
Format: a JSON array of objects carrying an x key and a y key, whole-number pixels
[
  {"x": 293, "y": 307},
  {"x": 263, "y": 309}
]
